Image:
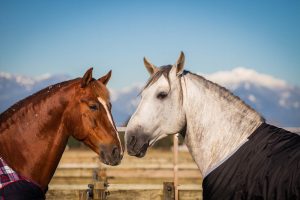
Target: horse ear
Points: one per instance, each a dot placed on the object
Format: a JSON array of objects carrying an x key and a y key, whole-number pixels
[
  {"x": 87, "y": 77},
  {"x": 104, "y": 79},
  {"x": 180, "y": 63},
  {"x": 150, "y": 67}
]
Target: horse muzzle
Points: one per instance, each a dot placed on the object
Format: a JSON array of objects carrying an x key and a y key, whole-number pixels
[
  {"x": 111, "y": 155},
  {"x": 137, "y": 147}
]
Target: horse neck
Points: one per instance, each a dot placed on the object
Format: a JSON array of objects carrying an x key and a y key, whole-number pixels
[
  {"x": 35, "y": 137},
  {"x": 217, "y": 121}
]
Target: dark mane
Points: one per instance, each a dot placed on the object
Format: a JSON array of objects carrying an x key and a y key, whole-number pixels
[{"x": 34, "y": 99}]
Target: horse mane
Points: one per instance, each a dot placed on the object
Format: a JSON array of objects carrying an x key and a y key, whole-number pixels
[
  {"x": 222, "y": 91},
  {"x": 163, "y": 71},
  {"x": 34, "y": 98}
]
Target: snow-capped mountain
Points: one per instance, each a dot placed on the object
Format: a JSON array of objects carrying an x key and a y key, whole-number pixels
[
  {"x": 275, "y": 99},
  {"x": 124, "y": 102},
  {"x": 16, "y": 87}
]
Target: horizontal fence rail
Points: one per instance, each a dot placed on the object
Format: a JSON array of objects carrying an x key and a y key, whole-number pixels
[
  {"x": 71, "y": 179},
  {"x": 121, "y": 128}
]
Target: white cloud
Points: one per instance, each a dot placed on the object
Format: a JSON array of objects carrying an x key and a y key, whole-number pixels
[
  {"x": 239, "y": 75},
  {"x": 5, "y": 75},
  {"x": 252, "y": 98},
  {"x": 43, "y": 77},
  {"x": 132, "y": 87},
  {"x": 25, "y": 81},
  {"x": 115, "y": 93},
  {"x": 283, "y": 103}
]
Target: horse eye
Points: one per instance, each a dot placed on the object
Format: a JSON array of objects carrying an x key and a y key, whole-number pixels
[
  {"x": 162, "y": 95},
  {"x": 93, "y": 107}
]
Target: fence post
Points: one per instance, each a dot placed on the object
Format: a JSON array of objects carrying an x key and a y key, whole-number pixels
[
  {"x": 175, "y": 163},
  {"x": 169, "y": 191},
  {"x": 100, "y": 190}
]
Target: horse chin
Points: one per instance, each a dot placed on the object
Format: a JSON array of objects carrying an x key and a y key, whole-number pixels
[{"x": 112, "y": 163}]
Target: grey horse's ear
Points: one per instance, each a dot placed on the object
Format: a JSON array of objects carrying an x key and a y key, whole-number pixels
[
  {"x": 87, "y": 77},
  {"x": 104, "y": 79},
  {"x": 152, "y": 69},
  {"x": 180, "y": 64}
]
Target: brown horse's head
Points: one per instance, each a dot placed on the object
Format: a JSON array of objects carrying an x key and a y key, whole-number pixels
[{"x": 90, "y": 119}]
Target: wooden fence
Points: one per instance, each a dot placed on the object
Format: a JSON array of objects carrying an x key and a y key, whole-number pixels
[
  {"x": 69, "y": 179},
  {"x": 126, "y": 192}
]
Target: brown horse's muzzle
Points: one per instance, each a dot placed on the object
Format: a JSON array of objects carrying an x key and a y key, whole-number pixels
[{"x": 111, "y": 154}]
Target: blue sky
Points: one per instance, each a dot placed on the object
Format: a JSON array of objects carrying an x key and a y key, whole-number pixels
[{"x": 66, "y": 37}]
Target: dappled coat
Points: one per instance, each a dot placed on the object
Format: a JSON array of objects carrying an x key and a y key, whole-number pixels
[{"x": 267, "y": 166}]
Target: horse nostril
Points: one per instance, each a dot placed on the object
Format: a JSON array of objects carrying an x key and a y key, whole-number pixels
[
  {"x": 115, "y": 152},
  {"x": 102, "y": 155},
  {"x": 132, "y": 140}
]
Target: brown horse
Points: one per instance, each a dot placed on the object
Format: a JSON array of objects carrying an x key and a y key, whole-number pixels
[{"x": 34, "y": 132}]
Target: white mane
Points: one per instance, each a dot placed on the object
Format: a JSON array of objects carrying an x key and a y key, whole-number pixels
[{"x": 217, "y": 121}]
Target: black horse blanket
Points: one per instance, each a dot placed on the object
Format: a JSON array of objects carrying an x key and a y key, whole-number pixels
[
  {"x": 266, "y": 167},
  {"x": 22, "y": 190}
]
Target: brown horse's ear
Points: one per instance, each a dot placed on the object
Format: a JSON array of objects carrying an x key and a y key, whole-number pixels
[
  {"x": 150, "y": 67},
  {"x": 87, "y": 77},
  {"x": 105, "y": 79},
  {"x": 180, "y": 63}
]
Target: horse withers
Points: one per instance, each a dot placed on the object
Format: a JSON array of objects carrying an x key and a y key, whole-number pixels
[
  {"x": 238, "y": 154},
  {"x": 34, "y": 133}
]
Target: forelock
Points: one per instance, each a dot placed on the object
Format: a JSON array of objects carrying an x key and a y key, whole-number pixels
[
  {"x": 100, "y": 90},
  {"x": 163, "y": 71}
]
